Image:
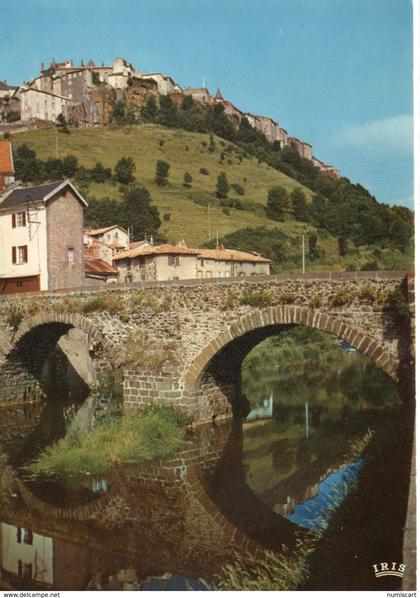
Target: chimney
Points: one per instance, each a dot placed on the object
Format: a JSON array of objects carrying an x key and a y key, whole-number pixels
[{"x": 42, "y": 67}]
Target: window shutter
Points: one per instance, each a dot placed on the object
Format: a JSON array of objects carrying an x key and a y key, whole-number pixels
[
  {"x": 13, "y": 255},
  {"x": 13, "y": 220},
  {"x": 25, "y": 254},
  {"x": 24, "y": 218}
]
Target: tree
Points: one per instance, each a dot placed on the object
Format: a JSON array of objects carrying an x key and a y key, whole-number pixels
[
  {"x": 187, "y": 179},
  {"x": 222, "y": 186},
  {"x": 187, "y": 103},
  {"x": 167, "y": 112},
  {"x": 124, "y": 170},
  {"x": 277, "y": 203},
  {"x": 399, "y": 233},
  {"x": 118, "y": 112},
  {"x": 62, "y": 124},
  {"x": 149, "y": 110},
  {"x": 342, "y": 246},
  {"x": 100, "y": 174},
  {"x": 140, "y": 213},
  {"x": 162, "y": 171},
  {"x": 53, "y": 169},
  {"x": 314, "y": 252},
  {"x": 299, "y": 205},
  {"x": 212, "y": 145},
  {"x": 70, "y": 165}
]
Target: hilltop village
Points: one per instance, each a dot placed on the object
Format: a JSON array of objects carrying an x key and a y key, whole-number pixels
[{"x": 86, "y": 94}]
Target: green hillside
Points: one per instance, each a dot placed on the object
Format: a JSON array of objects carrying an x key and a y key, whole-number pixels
[{"x": 184, "y": 211}]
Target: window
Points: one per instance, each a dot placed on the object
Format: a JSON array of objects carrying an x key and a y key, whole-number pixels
[
  {"x": 20, "y": 254},
  {"x": 18, "y": 219},
  {"x": 173, "y": 260},
  {"x": 71, "y": 255},
  {"x": 202, "y": 263}
]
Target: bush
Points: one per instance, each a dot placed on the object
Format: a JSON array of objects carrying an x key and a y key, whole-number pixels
[
  {"x": 238, "y": 188},
  {"x": 187, "y": 179},
  {"x": 204, "y": 171},
  {"x": 167, "y": 216},
  {"x": 124, "y": 170},
  {"x": 222, "y": 186},
  {"x": 397, "y": 306},
  {"x": 316, "y": 300},
  {"x": 259, "y": 299},
  {"x": 287, "y": 297},
  {"x": 14, "y": 317},
  {"x": 162, "y": 171},
  {"x": 341, "y": 297}
]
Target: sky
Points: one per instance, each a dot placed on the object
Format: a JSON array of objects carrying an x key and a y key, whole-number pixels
[{"x": 334, "y": 73}]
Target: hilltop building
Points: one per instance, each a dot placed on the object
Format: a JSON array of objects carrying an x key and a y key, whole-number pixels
[
  {"x": 86, "y": 96},
  {"x": 41, "y": 237}
]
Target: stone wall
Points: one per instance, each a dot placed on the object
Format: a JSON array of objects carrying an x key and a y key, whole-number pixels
[{"x": 176, "y": 331}]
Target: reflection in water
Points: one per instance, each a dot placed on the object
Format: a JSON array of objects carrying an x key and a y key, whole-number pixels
[{"x": 165, "y": 525}]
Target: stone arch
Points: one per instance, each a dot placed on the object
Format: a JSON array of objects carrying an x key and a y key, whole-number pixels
[
  {"x": 75, "y": 321},
  {"x": 282, "y": 315}
]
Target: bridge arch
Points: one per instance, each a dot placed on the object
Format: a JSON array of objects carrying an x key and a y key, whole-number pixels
[
  {"x": 215, "y": 372},
  {"x": 74, "y": 320},
  {"x": 22, "y": 370}
]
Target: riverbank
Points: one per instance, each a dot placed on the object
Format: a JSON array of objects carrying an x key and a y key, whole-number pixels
[{"x": 151, "y": 433}]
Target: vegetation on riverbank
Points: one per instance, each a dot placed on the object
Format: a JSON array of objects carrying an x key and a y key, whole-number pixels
[
  {"x": 270, "y": 571},
  {"x": 154, "y": 432},
  {"x": 284, "y": 357}
]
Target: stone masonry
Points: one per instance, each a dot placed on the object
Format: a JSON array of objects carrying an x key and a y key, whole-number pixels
[{"x": 183, "y": 341}]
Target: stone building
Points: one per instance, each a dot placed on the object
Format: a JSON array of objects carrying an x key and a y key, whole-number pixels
[
  {"x": 178, "y": 262},
  {"x": 41, "y": 237},
  {"x": 45, "y": 105},
  {"x": 199, "y": 94},
  {"x": 7, "y": 170},
  {"x": 114, "y": 236},
  {"x": 6, "y": 90},
  {"x": 165, "y": 84}
]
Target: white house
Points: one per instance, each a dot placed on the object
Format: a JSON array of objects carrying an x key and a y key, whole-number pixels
[
  {"x": 41, "y": 237},
  {"x": 45, "y": 105}
]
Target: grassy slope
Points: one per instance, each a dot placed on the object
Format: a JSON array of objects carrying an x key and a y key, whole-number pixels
[{"x": 188, "y": 220}]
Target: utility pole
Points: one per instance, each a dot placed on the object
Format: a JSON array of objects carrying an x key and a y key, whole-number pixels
[
  {"x": 56, "y": 146},
  {"x": 303, "y": 254},
  {"x": 209, "y": 221}
]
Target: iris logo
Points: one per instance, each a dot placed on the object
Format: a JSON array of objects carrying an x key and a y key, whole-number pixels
[{"x": 383, "y": 569}]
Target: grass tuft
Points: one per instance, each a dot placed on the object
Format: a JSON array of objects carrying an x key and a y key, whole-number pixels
[{"x": 154, "y": 432}]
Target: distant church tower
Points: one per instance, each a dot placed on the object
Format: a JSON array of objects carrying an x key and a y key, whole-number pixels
[{"x": 218, "y": 96}]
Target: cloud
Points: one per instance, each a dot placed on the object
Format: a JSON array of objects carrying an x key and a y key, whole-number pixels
[{"x": 394, "y": 134}]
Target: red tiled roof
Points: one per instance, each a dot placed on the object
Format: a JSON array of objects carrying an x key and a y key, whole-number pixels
[
  {"x": 101, "y": 231},
  {"x": 230, "y": 255},
  {"x": 97, "y": 266},
  {"x": 165, "y": 249},
  {"x": 6, "y": 160}
]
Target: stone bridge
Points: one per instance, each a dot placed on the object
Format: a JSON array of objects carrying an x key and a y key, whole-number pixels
[{"x": 184, "y": 341}]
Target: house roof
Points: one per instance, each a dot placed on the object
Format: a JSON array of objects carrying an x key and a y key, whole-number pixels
[
  {"x": 6, "y": 158},
  {"x": 48, "y": 93},
  {"x": 38, "y": 193},
  {"x": 94, "y": 265},
  {"x": 191, "y": 90},
  {"x": 218, "y": 94},
  {"x": 101, "y": 231},
  {"x": 210, "y": 254},
  {"x": 4, "y": 86},
  {"x": 165, "y": 249},
  {"x": 231, "y": 255}
]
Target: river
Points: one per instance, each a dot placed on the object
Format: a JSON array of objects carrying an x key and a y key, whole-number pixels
[{"x": 234, "y": 489}]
